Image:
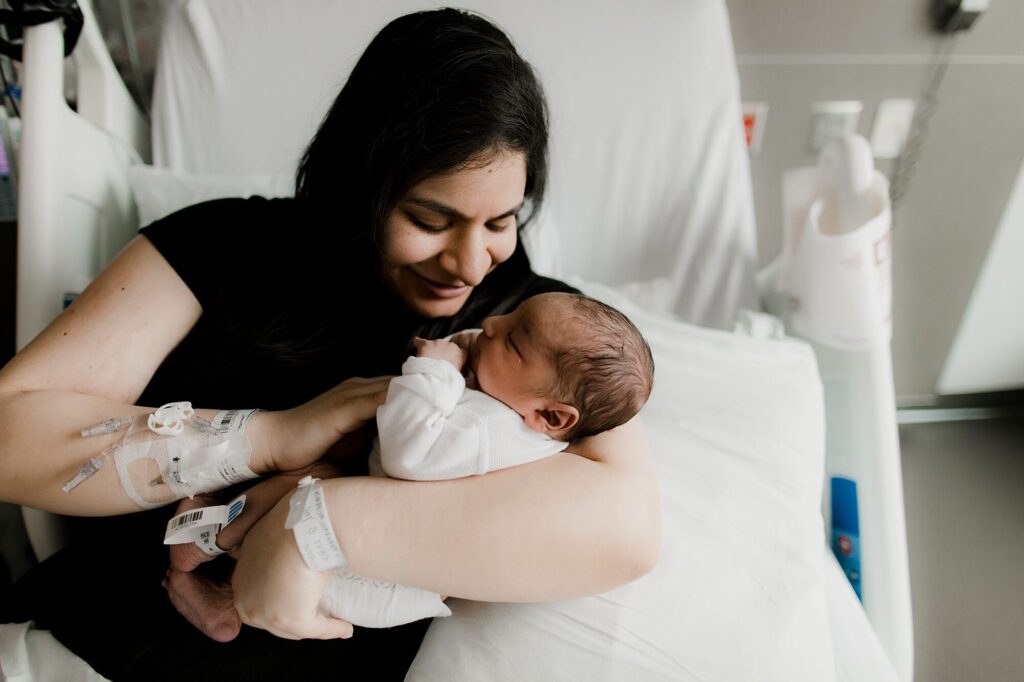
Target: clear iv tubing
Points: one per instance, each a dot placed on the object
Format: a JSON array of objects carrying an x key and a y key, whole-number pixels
[
  {"x": 109, "y": 426},
  {"x": 91, "y": 467},
  {"x": 120, "y": 423},
  {"x": 98, "y": 462}
]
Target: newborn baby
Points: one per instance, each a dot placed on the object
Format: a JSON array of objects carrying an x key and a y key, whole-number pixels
[{"x": 560, "y": 367}]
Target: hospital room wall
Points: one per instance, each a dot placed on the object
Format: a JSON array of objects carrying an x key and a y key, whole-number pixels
[{"x": 792, "y": 53}]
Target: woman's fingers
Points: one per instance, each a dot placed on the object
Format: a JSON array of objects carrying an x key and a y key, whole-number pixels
[
  {"x": 360, "y": 385},
  {"x": 357, "y": 410},
  {"x": 320, "y": 627},
  {"x": 275, "y": 590},
  {"x": 325, "y": 627},
  {"x": 304, "y": 433}
]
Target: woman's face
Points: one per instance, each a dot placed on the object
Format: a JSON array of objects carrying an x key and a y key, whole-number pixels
[{"x": 448, "y": 232}]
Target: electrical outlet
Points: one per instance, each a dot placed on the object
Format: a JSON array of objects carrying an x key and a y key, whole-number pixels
[
  {"x": 833, "y": 119},
  {"x": 893, "y": 121}
]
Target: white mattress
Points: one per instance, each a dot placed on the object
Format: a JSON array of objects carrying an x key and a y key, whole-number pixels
[
  {"x": 28, "y": 655},
  {"x": 859, "y": 655},
  {"x": 649, "y": 175}
]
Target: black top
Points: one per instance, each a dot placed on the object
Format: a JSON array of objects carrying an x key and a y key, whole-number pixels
[{"x": 289, "y": 311}]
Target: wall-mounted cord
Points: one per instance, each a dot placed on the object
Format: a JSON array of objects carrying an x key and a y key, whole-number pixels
[{"x": 904, "y": 166}]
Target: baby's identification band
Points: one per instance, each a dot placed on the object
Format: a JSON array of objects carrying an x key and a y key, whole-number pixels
[
  {"x": 202, "y": 525},
  {"x": 173, "y": 453},
  {"x": 314, "y": 534}
]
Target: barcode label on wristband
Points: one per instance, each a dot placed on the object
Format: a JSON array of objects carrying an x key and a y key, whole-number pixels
[
  {"x": 232, "y": 420},
  {"x": 195, "y": 524},
  {"x": 189, "y": 517}
]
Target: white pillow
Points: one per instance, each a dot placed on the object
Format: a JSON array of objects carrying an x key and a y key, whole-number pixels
[
  {"x": 736, "y": 424},
  {"x": 159, "y": 192}
]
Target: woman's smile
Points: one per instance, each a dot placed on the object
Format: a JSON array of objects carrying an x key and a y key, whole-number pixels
[
  {"x": 435, "y": 269},
  {"x": 440, "y": 290}
]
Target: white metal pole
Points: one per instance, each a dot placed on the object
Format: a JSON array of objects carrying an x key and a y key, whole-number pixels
[{"x": 42, "y": 106}]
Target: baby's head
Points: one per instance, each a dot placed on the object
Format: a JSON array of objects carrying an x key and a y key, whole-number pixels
[{"x": 570, "y": 365}]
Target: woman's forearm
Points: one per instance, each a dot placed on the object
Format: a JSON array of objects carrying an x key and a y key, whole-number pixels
[
  {"x": 560, "y": 528},
  {"x": 41, "y": 449}
]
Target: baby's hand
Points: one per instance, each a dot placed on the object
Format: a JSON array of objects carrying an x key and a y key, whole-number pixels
[
  {"x": 439, "y": 349},
  {"x": 465, "y": 340}
]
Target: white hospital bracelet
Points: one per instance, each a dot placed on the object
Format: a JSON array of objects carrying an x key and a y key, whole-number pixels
[
  {"x": 201, "y": 525},
  {"x": 314, "y": 534},
  {"x": 232, "y": 420}
]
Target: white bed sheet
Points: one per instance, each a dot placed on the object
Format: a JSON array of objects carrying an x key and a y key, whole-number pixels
[
  {"x": 649, "y": 175},
  {"x": 28, "y": 655},
  {"x": 858, "y": 652}
]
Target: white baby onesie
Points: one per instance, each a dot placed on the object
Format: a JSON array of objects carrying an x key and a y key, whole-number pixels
[{"x": 431, "y": 428}]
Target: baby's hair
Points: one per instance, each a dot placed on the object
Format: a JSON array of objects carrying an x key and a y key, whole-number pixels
[{"x": 608, "y": 377}]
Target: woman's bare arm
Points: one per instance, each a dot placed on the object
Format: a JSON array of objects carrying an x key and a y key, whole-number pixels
[
  {"x": 93, "y": 362},
  {"x": 567, "y": 526},
  {"x": 563, "y": 527},
  {"x": 89, "y": 365}
]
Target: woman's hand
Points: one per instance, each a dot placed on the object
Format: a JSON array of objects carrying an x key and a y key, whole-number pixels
[
  {"x": 275, "y": 590},
  {"x": 295, "y": 438}
]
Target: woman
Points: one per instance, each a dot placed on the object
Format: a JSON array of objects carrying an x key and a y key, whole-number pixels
[{"x": 408, "y": 205}]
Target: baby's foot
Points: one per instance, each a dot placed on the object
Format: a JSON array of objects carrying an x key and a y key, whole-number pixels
[
  {"x": 186, "y": 556},
  {"x": 204, "y": 604}
]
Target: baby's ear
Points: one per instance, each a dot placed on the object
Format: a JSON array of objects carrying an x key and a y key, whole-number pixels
[{"x": 553, "y": 419}]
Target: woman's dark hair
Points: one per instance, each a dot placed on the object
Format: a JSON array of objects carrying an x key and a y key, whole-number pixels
[{"x": 433, "y": 92}]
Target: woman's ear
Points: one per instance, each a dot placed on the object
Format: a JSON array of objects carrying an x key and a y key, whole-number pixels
[{"x": 553, "y": 419}]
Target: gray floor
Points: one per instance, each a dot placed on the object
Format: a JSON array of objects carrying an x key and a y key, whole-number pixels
[
  {"x": 965, "y": 528},
  {"x": 965, "y": 524}
]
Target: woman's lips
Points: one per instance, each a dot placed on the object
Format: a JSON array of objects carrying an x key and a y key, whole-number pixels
[{"x": 439, "y": 290}]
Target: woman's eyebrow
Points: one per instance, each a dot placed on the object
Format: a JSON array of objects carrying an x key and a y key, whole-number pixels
[{"x": 448, "y": 211}]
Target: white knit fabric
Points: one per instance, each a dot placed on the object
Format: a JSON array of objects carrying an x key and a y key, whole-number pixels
[{"x": 431, "y": 428}]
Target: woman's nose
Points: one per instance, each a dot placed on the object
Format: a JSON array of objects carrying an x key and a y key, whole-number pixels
[{"x": 468, "y": 257}]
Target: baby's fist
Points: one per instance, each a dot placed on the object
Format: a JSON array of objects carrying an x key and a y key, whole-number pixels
[
  {"x": 465, "y": 340},
  {"x": 439, "y": 349}
]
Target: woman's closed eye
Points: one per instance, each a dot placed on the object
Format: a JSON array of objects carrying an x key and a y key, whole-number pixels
[
  {"x": 427, "y": 226},
  {"x": 503, "y": 225}
]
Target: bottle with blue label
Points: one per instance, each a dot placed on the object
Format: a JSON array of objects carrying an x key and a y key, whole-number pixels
[{"x": 846, "y": 530}]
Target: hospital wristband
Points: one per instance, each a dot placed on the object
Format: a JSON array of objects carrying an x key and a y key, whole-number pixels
[{"x": 311, "y": 525}]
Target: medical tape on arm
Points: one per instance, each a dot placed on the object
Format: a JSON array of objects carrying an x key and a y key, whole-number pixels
[
  {"x": 314, "y": 534},
  {"x": 173, "y": 453}
]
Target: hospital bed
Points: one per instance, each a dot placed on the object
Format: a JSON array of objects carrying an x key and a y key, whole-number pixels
[{"x": 649, "y": 207}]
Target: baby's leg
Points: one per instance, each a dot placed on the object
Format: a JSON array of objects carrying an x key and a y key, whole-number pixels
[
  {"x": 205, "y": 604},
  {"x": 376, "y": 604}
]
